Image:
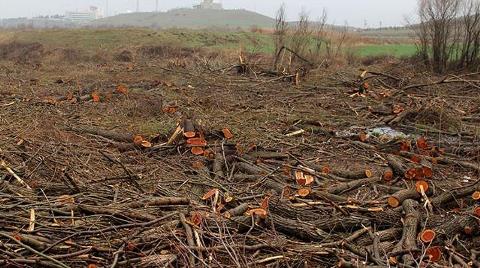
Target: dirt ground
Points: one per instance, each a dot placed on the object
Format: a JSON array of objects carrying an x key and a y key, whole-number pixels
[{"x": 285, "y": 174}]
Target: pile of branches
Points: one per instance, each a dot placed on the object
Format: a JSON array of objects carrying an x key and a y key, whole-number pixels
[{"x": 230, "y": 204}]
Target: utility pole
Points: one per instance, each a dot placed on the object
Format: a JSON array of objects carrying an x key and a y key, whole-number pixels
[
  {"x": 138, "y": 6},
  {"x": 156, "y": 6}
]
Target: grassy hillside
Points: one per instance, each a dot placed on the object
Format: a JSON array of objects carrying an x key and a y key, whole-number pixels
[
  {"x": 108, "y": 39},
  {"x": 125, "y": 38},
  {"x": 189, "y": 18}
]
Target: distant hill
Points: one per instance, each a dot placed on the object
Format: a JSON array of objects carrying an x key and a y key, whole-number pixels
[{"x": 189, "y": 18}]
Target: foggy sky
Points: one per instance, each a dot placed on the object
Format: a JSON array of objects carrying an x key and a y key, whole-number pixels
[{"x": 353, "y": 12}]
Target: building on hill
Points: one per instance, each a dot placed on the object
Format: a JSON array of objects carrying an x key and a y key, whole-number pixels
[
  {"x": 208, "y": 4},
  {"x": 83, "y": 16}
]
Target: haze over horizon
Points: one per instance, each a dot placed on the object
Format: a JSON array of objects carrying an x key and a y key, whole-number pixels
[{"x": 370, "y": 13}]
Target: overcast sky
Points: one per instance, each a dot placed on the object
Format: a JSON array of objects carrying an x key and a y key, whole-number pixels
[{"x": 354, "y": 12}]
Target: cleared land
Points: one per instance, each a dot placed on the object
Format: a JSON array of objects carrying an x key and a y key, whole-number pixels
[{"x": 151, "y": 155}]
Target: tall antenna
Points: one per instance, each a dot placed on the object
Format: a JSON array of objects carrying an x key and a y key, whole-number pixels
[{"x": 138, "y": 5}]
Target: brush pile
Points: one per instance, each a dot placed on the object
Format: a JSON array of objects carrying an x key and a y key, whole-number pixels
[{"x": 228, "y": 186}]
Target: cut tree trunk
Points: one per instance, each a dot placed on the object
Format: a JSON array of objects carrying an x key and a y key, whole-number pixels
[{"x": 409, "y": 235}]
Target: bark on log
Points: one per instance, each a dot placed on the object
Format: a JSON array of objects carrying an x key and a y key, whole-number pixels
[
  {"x": 397, "y": 198},
  {"x": 250, "y": 169},
  {"x": 115, "y": 136},
  {"x": 268, "y": 155},
  {"x": 384, "y": 235},
  {"x": 308, "y": 231},
  {"x": 189, "y": 236},
  {"x": 345, "y": 174},
  {"x": 455, "y": 226},
  {"x": 218, "y": 164},
  {"x": 350, "y": 174},
  {"x": 448, "y": 196},
  {"x": 398, "y": 166},
  {"x": 409, "y": 235},
  {"x": 449, "y": 161},
  {"x": 352, "y": 185},
  {"x": 159, "y": 201},
  {"x": 119, "y": 212}
]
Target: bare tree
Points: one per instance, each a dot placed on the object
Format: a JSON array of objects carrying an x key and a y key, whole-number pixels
[
  {"x": 439, "y": 31},
  {"x": 449, "y": 33},
  {"x": 302, "y": 35},
  {"x": 320, "y": 37},
  {"x": 470, "y": 33},
  {"x": 281, "y": 28}
]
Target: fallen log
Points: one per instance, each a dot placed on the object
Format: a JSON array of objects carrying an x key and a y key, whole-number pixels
[
  {"x": 408, "y": 243},
  {"x": 397, "y": 164},
  {"x": 268, "y": 155},
  {"x": 218, "y": 164},
  {"x": 118, "y": 212},
  {"x": 397, "y": 198},
  {"x": 322, "y": 195},
  {"x": 189, "y": 236},
  {"x": 450, "y": 228},
  {"x": 449, "y": 196},
  {"x": 159, "y": 201},
  {"x": 308, "y": 231},
  {"x": 384, "y": 235},
  {"x": 352, "y": 185},
  {"x": 352, "y": 174},
  {"x": 108, "y": 134},
  {"x": 448, "y": 161},
  {"x": 344, "y": 174}
]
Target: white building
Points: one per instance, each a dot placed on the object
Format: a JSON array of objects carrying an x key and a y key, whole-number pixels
[
  {"x": 83, "y": 16},
  {"x": 208, "y": 4}
]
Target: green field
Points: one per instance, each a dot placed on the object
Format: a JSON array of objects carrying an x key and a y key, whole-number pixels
[{"x": 396, "y": 50}]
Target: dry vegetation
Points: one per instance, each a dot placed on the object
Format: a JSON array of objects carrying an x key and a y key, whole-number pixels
[{"x": 161, "y": 156}]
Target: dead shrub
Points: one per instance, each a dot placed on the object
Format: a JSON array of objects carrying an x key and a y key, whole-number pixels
[
  {"x": 22, "y": 52},
  {"x": 100, "y": 57},
  {"x": 143, "y": 104},
  {"x": 378, "y": 59},
  {"x": 436, "y": 113},
  {"x": 124, "y": 56},
  {"x": 71, "y": 55},
  {"x": 166, "y": 51},
  {"x": 177, "y": 63}
]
